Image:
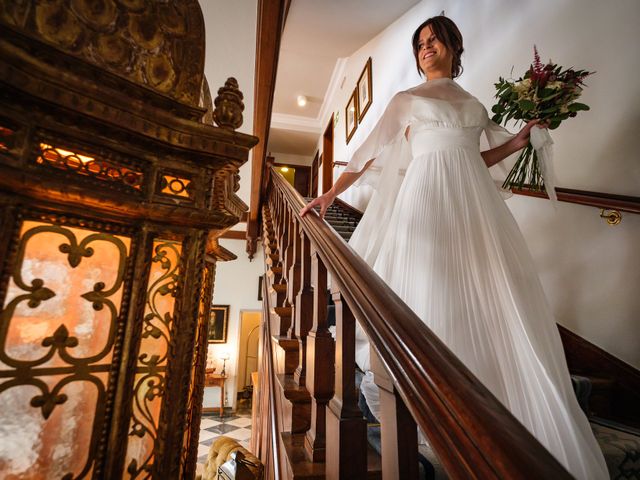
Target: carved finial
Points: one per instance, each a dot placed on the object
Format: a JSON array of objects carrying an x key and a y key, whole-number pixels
[{"x": 229, "y": 106}]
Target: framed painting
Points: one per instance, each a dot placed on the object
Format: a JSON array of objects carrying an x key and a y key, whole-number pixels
[
  {"x": 365, "y": 91},
  {"x": 351, "y": 115},
  {"x": 218, "y": 323}
]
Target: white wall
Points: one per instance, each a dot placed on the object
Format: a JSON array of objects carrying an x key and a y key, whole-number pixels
[
  {"x": 237, "y": 286},
  {"x": 231, "y": 52},
  {"x": 292, "y": 159},
  {"x": 591, "y": 271}
]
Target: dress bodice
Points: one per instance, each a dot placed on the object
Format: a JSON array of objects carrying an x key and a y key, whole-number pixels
[{"x": 444, "y": 117}]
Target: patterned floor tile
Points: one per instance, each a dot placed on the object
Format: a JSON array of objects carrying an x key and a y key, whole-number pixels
[
  {"x": 207, "y": 422},
  {"x": 202, "y": 450},
  {"x": 209, "y": 442},
  {"x": 221, "y": 429},
  {"x": 240, "y": 422},
  {"x": 239, "y": 434},
  {"x": 207, "y": 434},
  {"x": 228, "y": 418}
]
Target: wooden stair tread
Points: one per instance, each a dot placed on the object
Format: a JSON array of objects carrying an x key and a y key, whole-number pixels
[
  {"x": 286, "y": 343},
  {"x": 302, "y": 468},
  {"x": 374, "y": 464},
  {"x": 299, "y": 465},
  {"x": 283, "y": 311},
  {"x": 292, "y": 391}
]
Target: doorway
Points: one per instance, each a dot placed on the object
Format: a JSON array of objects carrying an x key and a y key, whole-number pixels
[
  {"x": 327, "y": 157},
  {"x": 247, "y": 355}
]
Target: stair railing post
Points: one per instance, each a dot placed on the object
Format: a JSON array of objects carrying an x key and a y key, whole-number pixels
[
  {"x": 288, "y": 250},
  {"x": 346, "y": 427},
  {"x": 320, "y": 372},
  {"x": 303, "y": 308},
  {"x": 399, "y": 432},
  {"x": 293, "y": 287}
]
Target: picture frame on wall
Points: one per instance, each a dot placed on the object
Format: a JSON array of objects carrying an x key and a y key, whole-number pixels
[
  {"x": 351, "y": 115},
  {"x": 365, "y": 90},
  {"x": 218, "y": 324}
]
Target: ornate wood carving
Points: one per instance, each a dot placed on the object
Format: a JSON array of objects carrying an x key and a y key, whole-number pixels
[
  {"x": 156, "y": 44},
  {"x": 103, "y": 145}
]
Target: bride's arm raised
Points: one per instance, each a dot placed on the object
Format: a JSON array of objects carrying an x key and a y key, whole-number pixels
[
  {"x": 344, "y": 181},
  {"x": 391, "y": 124},
  {"x": 518, "y": 142}
]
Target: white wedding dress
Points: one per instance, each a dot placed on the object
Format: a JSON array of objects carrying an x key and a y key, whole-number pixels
[{"x": 438, "y": 231}]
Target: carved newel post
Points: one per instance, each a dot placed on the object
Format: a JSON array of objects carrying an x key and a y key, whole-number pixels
[{"x": 112, "y": 195}]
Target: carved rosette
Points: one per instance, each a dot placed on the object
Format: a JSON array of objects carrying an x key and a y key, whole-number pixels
[
  {"x": 229, "y": 106},
  {"x": 158, "y": 44}
]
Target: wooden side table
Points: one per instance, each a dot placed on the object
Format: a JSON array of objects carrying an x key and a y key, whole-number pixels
[{"x": 212, "y": 379}]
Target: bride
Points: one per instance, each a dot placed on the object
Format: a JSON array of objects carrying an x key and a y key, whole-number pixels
[{"x": 439, "y": 233}]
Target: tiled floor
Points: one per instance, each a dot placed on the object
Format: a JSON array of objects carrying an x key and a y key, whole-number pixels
[{"x": 234, "y": 425}]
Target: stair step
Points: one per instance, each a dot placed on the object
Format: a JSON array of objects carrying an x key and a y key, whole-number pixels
[
  {"x": 292, "y": 391},
  {"x": 295, "y": 401},
  {"x": 287, "y": 355},
  {"x": 278, "y": 293},
  {"x": 299, "y": 467}
]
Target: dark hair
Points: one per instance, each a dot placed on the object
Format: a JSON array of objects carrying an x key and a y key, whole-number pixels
[{"x": 447, "y": 32}]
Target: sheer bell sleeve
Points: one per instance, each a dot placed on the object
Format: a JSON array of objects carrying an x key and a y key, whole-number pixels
[{"x": 383, "y": 143}]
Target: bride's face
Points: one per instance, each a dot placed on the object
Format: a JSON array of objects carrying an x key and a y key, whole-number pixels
[{"x": 433, "y": 55}]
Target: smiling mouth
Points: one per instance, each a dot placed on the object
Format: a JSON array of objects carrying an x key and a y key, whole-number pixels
[{"x": 428, "y": 55}]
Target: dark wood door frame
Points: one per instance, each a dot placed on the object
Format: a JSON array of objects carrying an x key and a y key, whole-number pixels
[
  {"x": 315, "y": 169},
  {"x": 327, "y": 157}
]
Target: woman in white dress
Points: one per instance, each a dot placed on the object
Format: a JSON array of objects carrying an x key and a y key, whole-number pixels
[{"x": 439, "y": 233}]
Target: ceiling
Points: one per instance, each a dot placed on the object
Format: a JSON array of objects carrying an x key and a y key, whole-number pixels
[{"x": 317, "y": 34}]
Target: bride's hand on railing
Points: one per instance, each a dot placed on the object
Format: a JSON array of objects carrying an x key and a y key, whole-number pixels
[{"x": 323, "y": 201}]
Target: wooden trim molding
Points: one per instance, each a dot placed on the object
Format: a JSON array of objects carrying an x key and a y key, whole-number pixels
[
  {"x": 585, "y": 358},
  {"x": 234, "y": 235},
  {"x": 607, "y": 201},
  {"x": 270, "y": 23}
]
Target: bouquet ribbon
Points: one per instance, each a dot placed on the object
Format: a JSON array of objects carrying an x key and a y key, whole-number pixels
[{"x": 543, "y": 145}]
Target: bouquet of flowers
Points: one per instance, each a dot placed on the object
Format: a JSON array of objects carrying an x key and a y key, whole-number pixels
[{"x": 546, "y": 92}]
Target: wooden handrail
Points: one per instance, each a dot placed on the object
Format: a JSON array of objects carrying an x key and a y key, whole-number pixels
[
  {"x": 607, "y": 201},
  {"x": 268, "y": 357},
  {"x": 474, "y": 435}
]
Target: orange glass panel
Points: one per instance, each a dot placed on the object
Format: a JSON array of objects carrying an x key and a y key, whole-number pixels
[
  {"x": 64, "y": 294},
  {"x": 152, "y": 358},
  {"x": 34, "y": 448},
  {"x": 87, "y": 165},
  {"x": 6, "y": 138},
  {"x": 176, "y": 186}
]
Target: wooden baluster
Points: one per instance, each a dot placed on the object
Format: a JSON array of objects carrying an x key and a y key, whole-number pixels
[
  {"x": 289, "y": 253},
  {"x": 346, "y": 427},
  {"x": 303, "y": 307},
  {"x": 293, "y": 287},
  {"x": 319, "y": 363},
  {"x": 399, "y": 432}
]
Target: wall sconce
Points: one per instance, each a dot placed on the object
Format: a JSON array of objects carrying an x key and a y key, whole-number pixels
[{"x": 224, "y": 356}]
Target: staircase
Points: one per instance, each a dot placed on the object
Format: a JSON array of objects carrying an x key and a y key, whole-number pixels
[{"x": 317, "y": 429}]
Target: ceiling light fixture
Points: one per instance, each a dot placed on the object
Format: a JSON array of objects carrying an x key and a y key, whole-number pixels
[
  {"x": 302, "y": 100},
  {"x": 284, "y": 169}
]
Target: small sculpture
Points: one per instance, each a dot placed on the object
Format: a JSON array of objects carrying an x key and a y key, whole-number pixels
[{"x": 229, "y": 106}]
